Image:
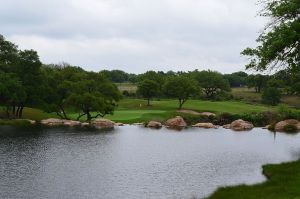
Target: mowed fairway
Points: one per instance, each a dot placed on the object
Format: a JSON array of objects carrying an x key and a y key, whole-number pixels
[{"x": 136, "y": 110}]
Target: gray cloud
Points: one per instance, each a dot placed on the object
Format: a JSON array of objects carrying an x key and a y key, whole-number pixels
[{"x": 135, "y": 35}]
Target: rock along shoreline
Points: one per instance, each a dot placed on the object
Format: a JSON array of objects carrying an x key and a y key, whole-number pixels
[{"x": 173, "y": 123}]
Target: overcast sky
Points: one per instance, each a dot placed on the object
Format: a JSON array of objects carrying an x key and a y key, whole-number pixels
[{"x": 135, "y": 35}]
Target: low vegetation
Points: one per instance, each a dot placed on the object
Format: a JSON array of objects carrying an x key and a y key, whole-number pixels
[{"x": 283, "y": 182}]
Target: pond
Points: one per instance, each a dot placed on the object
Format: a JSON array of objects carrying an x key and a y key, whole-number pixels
[{"x": 135, "y": 162}]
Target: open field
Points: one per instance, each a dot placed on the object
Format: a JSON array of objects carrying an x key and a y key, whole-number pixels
[
  {"x": 283, "y": 183},
  {"x": 243, "y": 94},
  {"x": 249, "y": 95}
]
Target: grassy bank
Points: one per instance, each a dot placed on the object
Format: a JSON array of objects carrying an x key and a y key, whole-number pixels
[{"x": 283, "y": 183}]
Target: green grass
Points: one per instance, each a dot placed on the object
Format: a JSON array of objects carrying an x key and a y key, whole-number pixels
[
  {"x": 136, "y": 110},
  {"x": 283, "y": 183},
  {"x": 20, "y": 123},
  {"x": 197, "y": 105},
  {"x": 34, "y": 114}
]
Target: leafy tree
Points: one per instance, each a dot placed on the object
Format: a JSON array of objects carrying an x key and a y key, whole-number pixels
[
  {"x": 158, "y": 77},
  {"x": 94, "y": 95},
  {"x": 182, "y": 88},
  {"x": 8, "y": 54},
  {"x": 11, "y": 94},
  {"x": 212, "y": 83},
  {"x": 278, "y": 45},
  {"x": 257, "y": 82},
  {"x": 237, "y": 79},
  {"x": 271, "y": 96},
  {"x": 275, "y": 83},
  {"x": 148, "y": 89}
]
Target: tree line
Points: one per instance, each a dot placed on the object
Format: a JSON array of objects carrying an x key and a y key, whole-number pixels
[{"x": 26, "y": 82}]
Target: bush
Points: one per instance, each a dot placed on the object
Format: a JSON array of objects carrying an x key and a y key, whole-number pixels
[
  {"x": 286, "y": 113},
  {"x": 223, "y": 96},
  {"x": 289, "y": 128},
  {"x": 271, "y": 96}
]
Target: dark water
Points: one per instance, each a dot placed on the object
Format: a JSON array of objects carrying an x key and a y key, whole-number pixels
[{"x": 133, "y": 162}]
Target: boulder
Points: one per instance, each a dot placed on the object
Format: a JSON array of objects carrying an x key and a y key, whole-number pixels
[
  {"x": 227, "y": 126},
  {"x": 208, "y": 114},
  {"x": 280, "y": 125},
  {"x": 177, "y": 122},
  {"x": 71, "y": 123},
  {"x": 239, "y": 125},
  {"x": 119, "y": 124},
  {"x": 52, "y": 122},
  {"x": 154, "y": 124},
  {"x": 138, "y": 124},
  {"x": 60, "y": 122},
  {"x": 103, "y": 123},
  {"x": 85, "y": 124},
  {"x": 205, "y": 125}
]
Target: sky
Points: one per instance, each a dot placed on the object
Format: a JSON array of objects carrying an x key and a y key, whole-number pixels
[{"x": 135, "y": 35}]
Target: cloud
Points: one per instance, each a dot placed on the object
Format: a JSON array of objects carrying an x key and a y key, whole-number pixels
[{"x": 135, "y": 35}]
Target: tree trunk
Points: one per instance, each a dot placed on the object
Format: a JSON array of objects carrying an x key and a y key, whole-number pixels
[
  {"x": 148, "y": 104},
  {"x": 88, "y": 115},
  {"x": 14, "y": 111},
  {"x": 64, "y": 113},
  {"x": 17, "y": 112},
  {"x": 21, "y": 112}
]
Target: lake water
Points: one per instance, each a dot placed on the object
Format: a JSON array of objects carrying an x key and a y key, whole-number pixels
[{"x": 134, "y": 162}]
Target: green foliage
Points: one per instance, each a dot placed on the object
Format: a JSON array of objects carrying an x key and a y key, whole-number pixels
[
  {"x": 256, "y": 81},
  {"x": 148, "y": 89},
  {"x": 237, "y": 79},
  {"x": 271, "y": 96},
  {"x": 94, "y": 93},
  {"x": 181, "y": 88},
  {"x": 286, "y": 113},
  {"x": 212, "y": 83},
  {"x": 278, "y": 45}
]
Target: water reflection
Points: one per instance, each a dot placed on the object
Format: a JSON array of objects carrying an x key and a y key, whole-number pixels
[{"x": 134, "y": 162}]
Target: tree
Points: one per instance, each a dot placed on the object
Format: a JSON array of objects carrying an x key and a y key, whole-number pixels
[
  {"x": 278, "y": 45},
  {"x": 94, "y": 96},
  {"x": 237, "y": 79},
  {"x": 11, "y": 94},
  {"x": 271, "y": 96},
  {"x": 148, "y": 89},
  {"x": 25, "y": 66},
  {"x": 158, "y": 77},
  {"x": 212, "y": 83},
  {"x": 257, "y": 82},
  {"x": 182, "y": 88}
]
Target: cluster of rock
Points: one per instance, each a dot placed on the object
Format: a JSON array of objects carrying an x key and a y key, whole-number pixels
[
  {"x": 175, "y": 123},
  {"x": 239, "y": 125},
  {"x": 97, "y": 123},
  {"x": 280, "y": 126},
  {"x": 205, "y": 125},
  {"x": 179, "y": 123}
]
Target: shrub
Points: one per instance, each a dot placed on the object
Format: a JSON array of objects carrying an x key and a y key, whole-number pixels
[
  {"x": 286, "y": 113},
  {"x": 271, "y": 96}
]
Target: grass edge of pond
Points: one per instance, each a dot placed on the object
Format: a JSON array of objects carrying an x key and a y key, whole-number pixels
[{"x": 283, "y": 181}]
